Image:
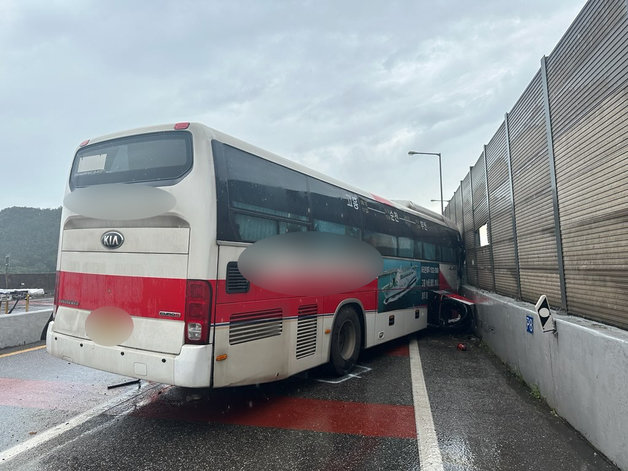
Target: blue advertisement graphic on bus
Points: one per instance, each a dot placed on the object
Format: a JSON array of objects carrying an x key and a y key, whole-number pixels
[{"x": 405, "y": 283}]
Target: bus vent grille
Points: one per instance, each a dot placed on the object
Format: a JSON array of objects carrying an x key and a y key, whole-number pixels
[
  {"x": 306, "y": 330},
  {"x": 250, "y": 326},
  {"x": 236, "y": 283}
]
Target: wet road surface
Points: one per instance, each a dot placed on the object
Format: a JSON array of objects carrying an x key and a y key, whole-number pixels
[
  {"x": 487, "y": 418},
  {"x": 483, "y": 417}
]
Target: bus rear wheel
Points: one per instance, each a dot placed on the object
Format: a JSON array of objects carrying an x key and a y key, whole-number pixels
[{"x": 346, "y": 341}]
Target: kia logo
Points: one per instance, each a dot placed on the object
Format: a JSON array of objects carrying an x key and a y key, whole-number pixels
[{"x": 112, "y": 239}]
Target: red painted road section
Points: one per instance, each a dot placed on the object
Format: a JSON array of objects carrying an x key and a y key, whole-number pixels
[
  {"x": 251, "y": 407},
  {"x": 269, "y": 407},
  {"x": 399, "y": 351},
  {"x": 293, "y": 413}
]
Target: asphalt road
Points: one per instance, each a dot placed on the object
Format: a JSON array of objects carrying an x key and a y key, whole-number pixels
[{"x": 442, "y": 408}]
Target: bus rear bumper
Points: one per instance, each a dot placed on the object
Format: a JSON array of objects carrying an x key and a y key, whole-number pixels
[{"x": 191, "y": 368}]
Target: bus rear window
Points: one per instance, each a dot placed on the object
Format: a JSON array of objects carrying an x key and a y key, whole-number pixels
[{"x": 163, "y": 157}]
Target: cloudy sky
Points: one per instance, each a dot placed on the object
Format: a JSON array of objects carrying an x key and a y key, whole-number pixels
[{"x": 345, "y": 87}]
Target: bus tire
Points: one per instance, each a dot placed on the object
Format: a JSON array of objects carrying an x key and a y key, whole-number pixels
[
  {"x": 346, "y": 341},
  {"x": 44, "y": 333}
]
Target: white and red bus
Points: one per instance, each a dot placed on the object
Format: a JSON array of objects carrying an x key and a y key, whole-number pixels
[{"x": 154, "y": 221}]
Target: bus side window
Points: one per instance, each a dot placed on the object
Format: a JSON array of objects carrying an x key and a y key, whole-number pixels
[
  {"x": 335, "y": 228},
  {"x": 334, "y": 209},
  {"x": 448, "y": 254},
  {"x": 418, "y": 249},
  {"x": 429, "y": 251},
  {"x": 291, "y": 227},
  {"x": 252, "y": 229},
  {"x": 264, "y": 187},
  {"x": 331, "y": 227},
  {"x": 406, "y": 247},
  {"x": 386, "y": 244}
]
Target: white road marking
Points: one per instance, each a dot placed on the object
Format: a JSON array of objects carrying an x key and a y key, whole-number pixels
[
  {"x": 358, "y": 368},
  {"x": 74, "y": 422},
  {"x": 429, "y": 453}
]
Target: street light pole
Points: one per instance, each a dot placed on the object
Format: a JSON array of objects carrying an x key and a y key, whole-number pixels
[{"x": 440, "y": 173}]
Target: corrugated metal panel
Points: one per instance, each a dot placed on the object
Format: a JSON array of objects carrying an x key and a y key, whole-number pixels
[
  {"x": 453, "y": 210},
  {"x": 469, "y": 242},
  {"x": 485, "y": 269},
  {"x": 588, "y": 83},
  {"x": 506, "y": 281},
  {"x": 479, "y": 193},
  {"x": 469, "y": 232},
  {"x": 447, "y": 211},
  {"x": 480, "y": 214},
  {"x": 459, "y": 210},
  {"x": 534, "y": 211},
  {"x": 502, "y": 237},
  {"x": 588, "y": 98}
]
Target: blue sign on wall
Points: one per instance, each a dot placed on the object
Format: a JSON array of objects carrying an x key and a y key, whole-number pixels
[{"x": 530, "y": 324}]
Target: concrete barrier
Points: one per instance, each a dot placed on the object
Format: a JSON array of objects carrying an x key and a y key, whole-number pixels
[
  {"x": 22, "y": 328},
  {"x": 581, "y": 371}
]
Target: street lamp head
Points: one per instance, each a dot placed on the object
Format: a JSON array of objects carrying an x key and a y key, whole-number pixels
[{"x": 413, "y": 152}]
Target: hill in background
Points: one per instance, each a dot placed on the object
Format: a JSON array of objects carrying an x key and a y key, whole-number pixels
[{"x": 30, "y": 237}]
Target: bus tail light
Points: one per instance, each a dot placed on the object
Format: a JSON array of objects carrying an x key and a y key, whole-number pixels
[
  {"x": 56, "y": 297},
  {"x": 197, "y": 311}
]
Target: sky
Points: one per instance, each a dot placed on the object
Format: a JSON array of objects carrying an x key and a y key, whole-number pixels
[{"x": 344, "y": 87}]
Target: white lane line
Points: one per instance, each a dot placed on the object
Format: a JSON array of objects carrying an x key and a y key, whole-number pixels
[
  {"x": 429, "y": 453},
  {"x": 74, "y": 422}
]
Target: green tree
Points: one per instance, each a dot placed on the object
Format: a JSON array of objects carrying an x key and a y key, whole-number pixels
[{"x": 30, "y": 236}]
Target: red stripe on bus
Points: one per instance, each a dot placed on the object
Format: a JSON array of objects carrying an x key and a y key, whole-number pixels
[
  {"x": 147, "y": 297},
  {"x": 382, "y": 200},
  {"x": 139, "y": 296},
  {"x": 258, "y": 299},
  {"x": 293, "y": 413},
  {"x": 442, "y": 281}
]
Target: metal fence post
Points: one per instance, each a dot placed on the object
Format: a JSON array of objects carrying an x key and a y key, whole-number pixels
[
  {"x": 475, "y": 250},
  {"x": 512, "y": 205},
  {"x": 552, "y": 169},
  {"x": 489, "y": 227},
  {"x": 462, "y": 207},
  {"x": 464, "y": 273}
]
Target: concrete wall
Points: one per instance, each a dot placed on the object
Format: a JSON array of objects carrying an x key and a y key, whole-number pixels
[
  {"x": 22, "y": 328},
  {"x": 582, "y": 371}
]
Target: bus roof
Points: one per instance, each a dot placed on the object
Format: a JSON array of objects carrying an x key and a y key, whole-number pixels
[{"x": 403, "y": 205}]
